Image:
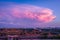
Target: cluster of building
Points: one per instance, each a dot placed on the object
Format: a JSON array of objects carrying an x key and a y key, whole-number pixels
[{"x": 21, "y": 34}]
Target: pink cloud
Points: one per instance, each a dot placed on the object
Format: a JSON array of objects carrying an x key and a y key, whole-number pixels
[
  {"x": 33, "y": 12},
  {"x": 25, "y": 15}
]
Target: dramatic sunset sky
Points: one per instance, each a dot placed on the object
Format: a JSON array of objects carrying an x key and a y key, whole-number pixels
[{"x": 29, "y": 13}]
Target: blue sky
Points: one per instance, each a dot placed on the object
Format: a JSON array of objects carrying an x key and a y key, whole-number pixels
[{"x": 51, "y": 4}]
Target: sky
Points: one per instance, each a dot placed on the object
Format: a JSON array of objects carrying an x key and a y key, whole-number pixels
[{"x": 29, "y": 13}]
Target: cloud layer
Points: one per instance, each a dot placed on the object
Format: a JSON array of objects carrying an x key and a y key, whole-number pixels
[{"x": 25, "y": 15}]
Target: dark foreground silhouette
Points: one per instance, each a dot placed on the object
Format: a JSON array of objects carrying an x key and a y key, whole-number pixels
[{"x": 15, "y": 34}]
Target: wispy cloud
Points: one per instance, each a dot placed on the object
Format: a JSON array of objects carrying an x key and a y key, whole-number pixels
[{"x": 25, "y": 14}]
